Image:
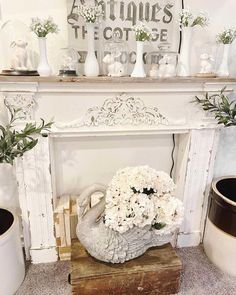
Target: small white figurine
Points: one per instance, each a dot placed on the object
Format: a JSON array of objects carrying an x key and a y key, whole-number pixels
[
  {"x": 19, "y": 59},
  {"x": 115, "y": 68},
  {"x": 166, "y": 68},
  {"x": 206, "y": 63},
  {"x": 68, "y": 63},
  {"x": 154, "y": 71}
]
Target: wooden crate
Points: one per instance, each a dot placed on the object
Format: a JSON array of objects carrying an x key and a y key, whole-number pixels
[{"x": 157, "y": 272}]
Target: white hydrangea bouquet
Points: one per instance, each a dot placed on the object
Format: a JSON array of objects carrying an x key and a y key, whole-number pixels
[
  {"x": 137, "y": 211},
  {"x": 189, "y": 19},
  {"x": 42, "y": 27},
  {"x": 142, "y": 32},
  {"x": 141, "y": 196},
  {"x": 227, "y": 36},
  {"x": 90, "y": 13}
]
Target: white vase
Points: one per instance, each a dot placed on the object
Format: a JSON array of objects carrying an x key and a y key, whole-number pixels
[
  {"x": 184, "y": 69},
  {"x": 8, "y": 187},
  {"x": 139, "y": 65},
  {"x": 223, "y": 70},
  {"x": 44, "y": 68},
  {"x": 91, "y": 66}
]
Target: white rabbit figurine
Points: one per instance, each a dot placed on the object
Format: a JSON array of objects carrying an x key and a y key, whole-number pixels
[
  {"x": 166, "y": 68},
  {"x": 68, "y": 63},
  {"x": 154, "y": 71},
  {"x": 206, "y": 63},
  {"x": 19, "y": 59},
  {"x": 115, "y": 68}
]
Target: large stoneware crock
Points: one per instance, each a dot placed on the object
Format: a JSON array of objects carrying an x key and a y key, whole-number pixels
[{"x": 12, "y": 267}]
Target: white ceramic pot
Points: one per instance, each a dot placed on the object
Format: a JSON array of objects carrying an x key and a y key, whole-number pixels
[
  {"x": 8, "y": 187},
  {"x": 223, "y": 70},
  {"x": 12, "y": 267},
  {"x": 139, "y": 64},
  {"x": 184, "y": 69},
  {"x": 220, "y": 248},
  {"x": 44, "y": 68},
  {"x": 91, "y": 66}
]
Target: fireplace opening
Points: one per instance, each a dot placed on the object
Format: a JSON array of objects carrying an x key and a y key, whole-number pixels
[{"x": 81, "y": 161}]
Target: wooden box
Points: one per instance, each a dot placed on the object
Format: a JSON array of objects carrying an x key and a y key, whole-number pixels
[{"x": 157, "y": 272}]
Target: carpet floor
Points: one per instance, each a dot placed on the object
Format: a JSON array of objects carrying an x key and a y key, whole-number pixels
[{"x": 200, "y": 277}]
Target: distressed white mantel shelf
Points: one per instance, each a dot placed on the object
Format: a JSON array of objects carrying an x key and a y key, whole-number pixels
[
  {"x": 104, "y": 79},
  {"x": 111, "y": 107}
]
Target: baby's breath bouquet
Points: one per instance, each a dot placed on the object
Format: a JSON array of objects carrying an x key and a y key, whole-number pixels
[
  {"x": 90, "y": 13},
  {"x": 42, "y": 27},
  {"x": 227, "y": 36},
  {"x": 188, "y": 19},
  {"x": 142, "y": 32}
]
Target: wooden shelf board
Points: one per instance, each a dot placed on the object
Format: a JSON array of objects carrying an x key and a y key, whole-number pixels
[{"x": 103, "y": 79}]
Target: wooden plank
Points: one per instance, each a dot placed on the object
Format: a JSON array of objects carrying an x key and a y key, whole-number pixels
[
  {"x": 62, "y": 221},
  {"x": 73, "y": 219},
  {"x": 211, "y": 171},
  {"x": 24, "y": 206},
  {"x": 64, "y": 253},
  {"x": 65, "y": 219},
  {"x": 38, "y": 191},
  {"x": 105, "y": 79},
  {"x": 157, "y": 272},
  {"x": 196, "y": 175}
]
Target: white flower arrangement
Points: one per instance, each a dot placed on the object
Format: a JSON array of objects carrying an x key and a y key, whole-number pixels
[
  {"x": 141, "y": 196},
  {"x": 90, "y": 13},
  {"x": 142, "y": 32},
  {"x": 227, "y": 36},
  {"x": 43, "y": 27},
  {"x": 188, "y": 19}
]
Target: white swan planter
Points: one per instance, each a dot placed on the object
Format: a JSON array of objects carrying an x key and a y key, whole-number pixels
[{"x": 106, "y": 244}]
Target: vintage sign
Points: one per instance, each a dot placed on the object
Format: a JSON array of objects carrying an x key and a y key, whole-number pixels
[{"x": 119, "y": 17}]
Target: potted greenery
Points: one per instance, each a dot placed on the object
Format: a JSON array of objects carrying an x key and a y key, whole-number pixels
[
  {"x": 13, "y": 144},
  {"x": 221, "y": 106}
]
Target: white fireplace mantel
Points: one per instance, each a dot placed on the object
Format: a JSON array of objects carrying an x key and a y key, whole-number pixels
[{"x": 107, "y": 107}]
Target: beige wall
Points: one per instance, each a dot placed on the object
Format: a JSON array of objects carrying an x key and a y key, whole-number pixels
[
  {"x": 26, "y": 9},
  {"x": 221, "y": 14}
]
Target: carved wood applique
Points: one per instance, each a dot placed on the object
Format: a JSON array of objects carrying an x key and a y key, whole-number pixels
[
  {"x": 25, "y": 102},
  {"x": 123, "y": 110}
]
